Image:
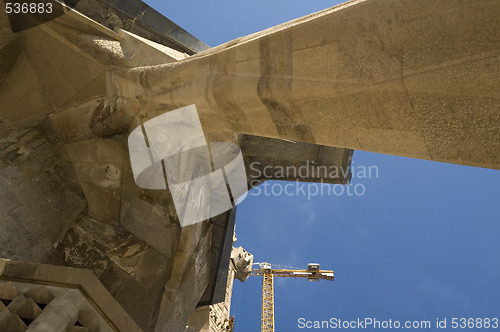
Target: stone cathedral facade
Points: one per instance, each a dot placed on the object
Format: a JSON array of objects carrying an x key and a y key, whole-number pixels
[{"x": 83, "y": 248}]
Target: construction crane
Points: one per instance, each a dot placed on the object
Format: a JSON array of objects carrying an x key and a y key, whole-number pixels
[{"x": 313, "y": 273}]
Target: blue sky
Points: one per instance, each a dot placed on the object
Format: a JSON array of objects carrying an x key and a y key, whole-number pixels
[{"x": 422, "y": 243}]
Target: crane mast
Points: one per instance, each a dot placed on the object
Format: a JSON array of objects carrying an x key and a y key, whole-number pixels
[
  {"x": 268, "y": 302},
  {"x": 313, "y": 273}
]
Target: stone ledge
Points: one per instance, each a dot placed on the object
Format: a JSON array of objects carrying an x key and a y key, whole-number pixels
[{"x": 68, "y": 277}]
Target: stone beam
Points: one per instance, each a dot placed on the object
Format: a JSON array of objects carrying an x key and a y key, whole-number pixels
[{"x": 415, "y": 78}]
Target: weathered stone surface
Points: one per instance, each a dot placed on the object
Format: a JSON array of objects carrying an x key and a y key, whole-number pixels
[
  {"x": 188, "y": 280},
  {"x": 153, "y": 222},
  {"x": 199, "y": 322},
  {"x": 143, "y": 52},
  {"x": 10, "y": 49},
  {"x": 132, "y": 271},
  {"x": 273, "y": 159},
  {"x": 40, "y": 196},
  {"x": 98, "y": 164},
  {"x": 21, "y": 82},
  {"x": 242, "y": 261},
  {"x": 139, "y": 18},
  {"x": 216, "y": 317},
  {"x": 221, "y": 245}
]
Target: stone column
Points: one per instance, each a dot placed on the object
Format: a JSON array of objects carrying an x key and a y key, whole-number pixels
[{"x": 403, "y": 77}]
